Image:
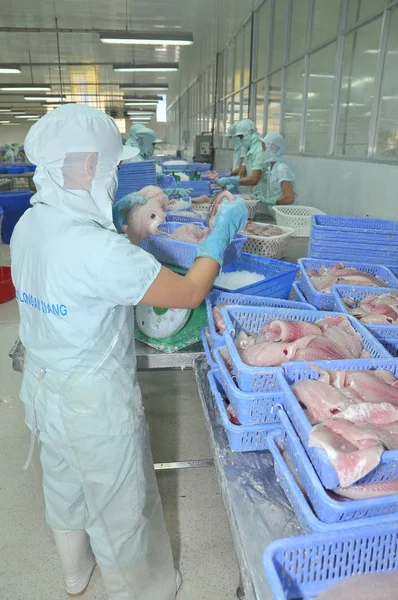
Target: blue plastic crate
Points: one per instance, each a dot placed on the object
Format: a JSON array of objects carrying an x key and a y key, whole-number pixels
[
  {"x": 241, "y": 438},
  {"x": 345, "y": 256},
  {"x": 251, "y": 408},
  {"x": 278, "y": 276},
  {"x": 326, "y": 301},
  {"x": 251, "y": 319},
  {"x": 14, "y": 204},
  {"x": 296, "y": 371},
  {"x": 300, "y": 503},
  {"x": 298, "y": 295},
  {"x": 359, "y": 247},
  {"x": 327, "y": 509},
  {"x": 174, "y": 168},
  {"x": 195, "y": 167},
  {"x": 386, "y": 334},
  {"x": 337, "y": 224},
  {"x": 166, "y": 181},
  {"x": 182, "y": 254},
  {"x": 208, "y": 350},
  {"x": 195, "y": 219},
  {"x": 199, "y": 188},
  {"x": 300, "y": 568},
  {"x": 217, "y": 297},
  {"x": 14, "y": 169}
]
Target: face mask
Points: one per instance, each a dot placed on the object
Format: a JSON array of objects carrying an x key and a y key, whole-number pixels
[{"x": 246, "y": 142}]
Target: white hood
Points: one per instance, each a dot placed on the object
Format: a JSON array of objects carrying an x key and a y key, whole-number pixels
[{"x": 76, "y": 149}]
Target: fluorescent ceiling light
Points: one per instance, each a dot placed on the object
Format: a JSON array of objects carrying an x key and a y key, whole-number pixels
[
  {"x": 149, "y": 103},
  {"x": 352, "y": 104},
  {"x": 25, "y": 88},
  {"x": 17, "y": 112},
  {"x": 4, "y": 122},
  {"x": 145, "y": 98},
  {"x": 141, "y": 37},
  {"x": 49, "y": 98},
  {"x": 5, "y": 110},
  {"x": 144, "y": 86},
  {"x": 10, "y": 69},
  {"x": 149, "y": 67},
  {"x": 11, "y": 123},
  {"x": 321, "y": 75},
  {"x": 142, "y": 114},
  {"x": 27, "y": 116},
  {"x": 140, "y": 118}
]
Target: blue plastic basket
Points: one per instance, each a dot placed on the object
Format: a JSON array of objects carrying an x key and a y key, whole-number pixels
[
  {"x": 251, "y": 319},
  {"x": 300, "y": 568},
  {"x": 298, "y": 295},
  {"x": 195, "y": 219},
  {"x": 195, "y": 167},
  {"x": 251, "y": 408},
  {"x": 182, "y": 254},
  {"x": 326, "y": 301},
  {"x": 217, "y": 296},
  {"x": 300, "y": 503},
  {"x": 326, "y": 508},
  {"x": 208, "y": 350},
  {"x": 14, "y": 204},
  {"x": 359, "y": 227},
  {"x": 174, "y": 168},
  {"x": 14, "y": 169},
  {"x": 221, "y": 172},
  {"x": 133, "y": 176},
  {"x": 386, "y": 334},
  {"x": 241, "y": 438},
  {"x": 199, "y": 188},
  {"x": 166, "y": 181},
  {"x": 296, "y": 371},
  {"x": 278, "y": 276}
]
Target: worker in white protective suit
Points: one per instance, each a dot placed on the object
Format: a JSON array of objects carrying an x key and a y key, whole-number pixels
[
  {"x": 76, "y": 280},
  {"x": 239, "y": 152},
  {"x": 145, "y": 140},
  {"x": 253, "y": 172},
  {"x": 281, "y": 183},
  {"x": 9, "y": 154}
]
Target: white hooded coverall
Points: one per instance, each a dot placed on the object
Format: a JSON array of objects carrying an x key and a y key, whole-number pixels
[{"x": 76, "y": 280}]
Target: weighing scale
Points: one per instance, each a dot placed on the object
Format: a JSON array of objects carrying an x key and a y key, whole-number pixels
[{"x": 169, "y": 329}]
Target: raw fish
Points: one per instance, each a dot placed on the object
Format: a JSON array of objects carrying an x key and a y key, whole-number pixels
[
  {"x": 144, "y": 219},
  {"x": 190, "y": 233},
  {"x": 201, "y": 200},
  {"x": 367, "y": 387},
  {"x": 321, "y": 400},
  {"x": 288, "y": 331},
  {"x": 374, "y": 586},
  {"x": 368, "y": 490},
  {"x": 325, "y": 277},
  {"x": 217, "y": 200},
  {"x": 350, "y": 462},
  {"x": 375, "y": 310},
  {"x": 262, "y": 229},
  {"x": 218, "y": 318},
  {"x": 378, "y": 413}
]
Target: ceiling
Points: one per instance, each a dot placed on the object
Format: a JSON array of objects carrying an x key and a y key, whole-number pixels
[{"x": 94, "y": 81}]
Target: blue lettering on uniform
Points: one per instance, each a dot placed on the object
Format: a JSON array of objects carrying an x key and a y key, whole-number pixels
[
  {"x": 63, "y": 310},
  {"x": 46, "y": 308}
]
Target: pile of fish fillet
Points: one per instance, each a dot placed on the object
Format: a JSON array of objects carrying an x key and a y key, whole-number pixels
[
  {"x": 355, "y": 419},
  {"x": 325, "y": 277},
  {"x": 330, "y": 338},
  {"x": 375, "y": 310},
  {"x": 262, "y": 229}
]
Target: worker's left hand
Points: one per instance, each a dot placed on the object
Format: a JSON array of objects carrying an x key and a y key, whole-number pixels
[
  {"x": 269, "y": 201},
  {"x": 231, "y": 180},
  {"x": 122, "y": 207}
]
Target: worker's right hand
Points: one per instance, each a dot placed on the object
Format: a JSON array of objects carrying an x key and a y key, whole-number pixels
[
  {"x": 231, "y": 180},
  {"x": 178, "y": 192},
  {"x": 122, "y": 207},
  {"x": 231, "y": 218}
]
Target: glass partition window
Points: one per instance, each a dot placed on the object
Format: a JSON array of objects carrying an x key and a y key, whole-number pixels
[
  {"x": 361, "y": 9},
  {"x": 357, "y": 90},
  {"x": 259, "y": 119},
  {"x": 387, "y": 135},
  {"x": 230, "y": 58},
  {"x": 299, "y": 27},
  {"x": 278, "y": 33},
  {"x": 295, "y": 88},
  {"x": 325, "y": 21},
  {"x": 245, "y": 103},
  {"x": 274, "y": 103},
  {"x": 247, "y": 54},
  {"x": 238, "y": 61},
  {"x": 320, "y": 100},
  {"x": 262, "y": 20}
]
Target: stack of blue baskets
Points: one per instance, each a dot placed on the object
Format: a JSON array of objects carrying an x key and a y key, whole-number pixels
[
  {"x": 13, "y": 205},
  {"x": 134, "y": 176},
  {"x": 355, "y": 239}
]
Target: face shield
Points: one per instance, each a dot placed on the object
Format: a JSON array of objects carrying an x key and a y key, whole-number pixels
[
  {"x": 77, "y": 150},
  {"x": 275, "y": 147}
]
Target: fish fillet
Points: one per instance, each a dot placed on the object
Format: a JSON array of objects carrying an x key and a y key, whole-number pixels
[
  {"x": 321, "y": 400},
  {"x": 375, "y": 586},
  {"x": 144, "y": 219},
  {"x": 325, "y": 277},
  {"x": 368, "y": 490},
  {"x": 190, "y": 233},
  {"x": 218, "y": 318},
  {"x": 288, "y": 331}
]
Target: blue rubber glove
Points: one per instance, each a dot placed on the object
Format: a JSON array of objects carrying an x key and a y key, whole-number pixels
[
  {"x": 231, "y": 218},
  {"x": 178, "y": 192},
  {"x": 232, "y": 180},
  {"x": 122, "y": 207},
  {"x": 269, "y": 201}
]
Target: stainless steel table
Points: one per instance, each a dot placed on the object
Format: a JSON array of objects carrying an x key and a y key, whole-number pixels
[
  {"x": 13, "y": 177},
  {"x": 256, "y": 506}
]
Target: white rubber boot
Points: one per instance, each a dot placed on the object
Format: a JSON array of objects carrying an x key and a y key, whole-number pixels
[
  {"x": 115, "y": 585},
  {"x": 77, "y": 559}
]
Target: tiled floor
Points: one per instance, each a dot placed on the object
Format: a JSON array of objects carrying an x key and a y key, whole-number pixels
[{"x": 194, "y": 512}]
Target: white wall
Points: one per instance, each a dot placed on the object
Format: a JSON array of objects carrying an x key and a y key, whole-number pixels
[
  {"x": 12, "y": 133},
  {"x": 341, "y": 187}
]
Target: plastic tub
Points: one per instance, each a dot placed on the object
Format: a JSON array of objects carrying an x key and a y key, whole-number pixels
[
  {"x": 195, "y": 167},
  {"x": 199, "y": 188},
  {"x": 386, "y": 334},
  {"x": 278, "y": 276},
  {"x": 327, "y": 509},
  {"x": 296, "y": 371},
  {"x": 217, "y": 297},
  {"x": 14, "y": 204},
  {"x": 166, "y": 181},
  {"x": 251, "y": 318},
  {"x": 326, "y": 301},
  {"x": 7, "y": 290},
  {"x": 297, "y": 217},
  {"x": 171, "y": 218},
  {"x": 298, "y": 295},
  {"x": 183, "y": 254},
  {"x": 300, "y": 503},
  {"x": 251, "y": 408},
  {"x": 204, "y": 332},
  {"x": 241, "y": 438},
  {"x": 303, "y": 567},
  {"x": 274, "y": 246},
  {"x": 14, "y": 169}
]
